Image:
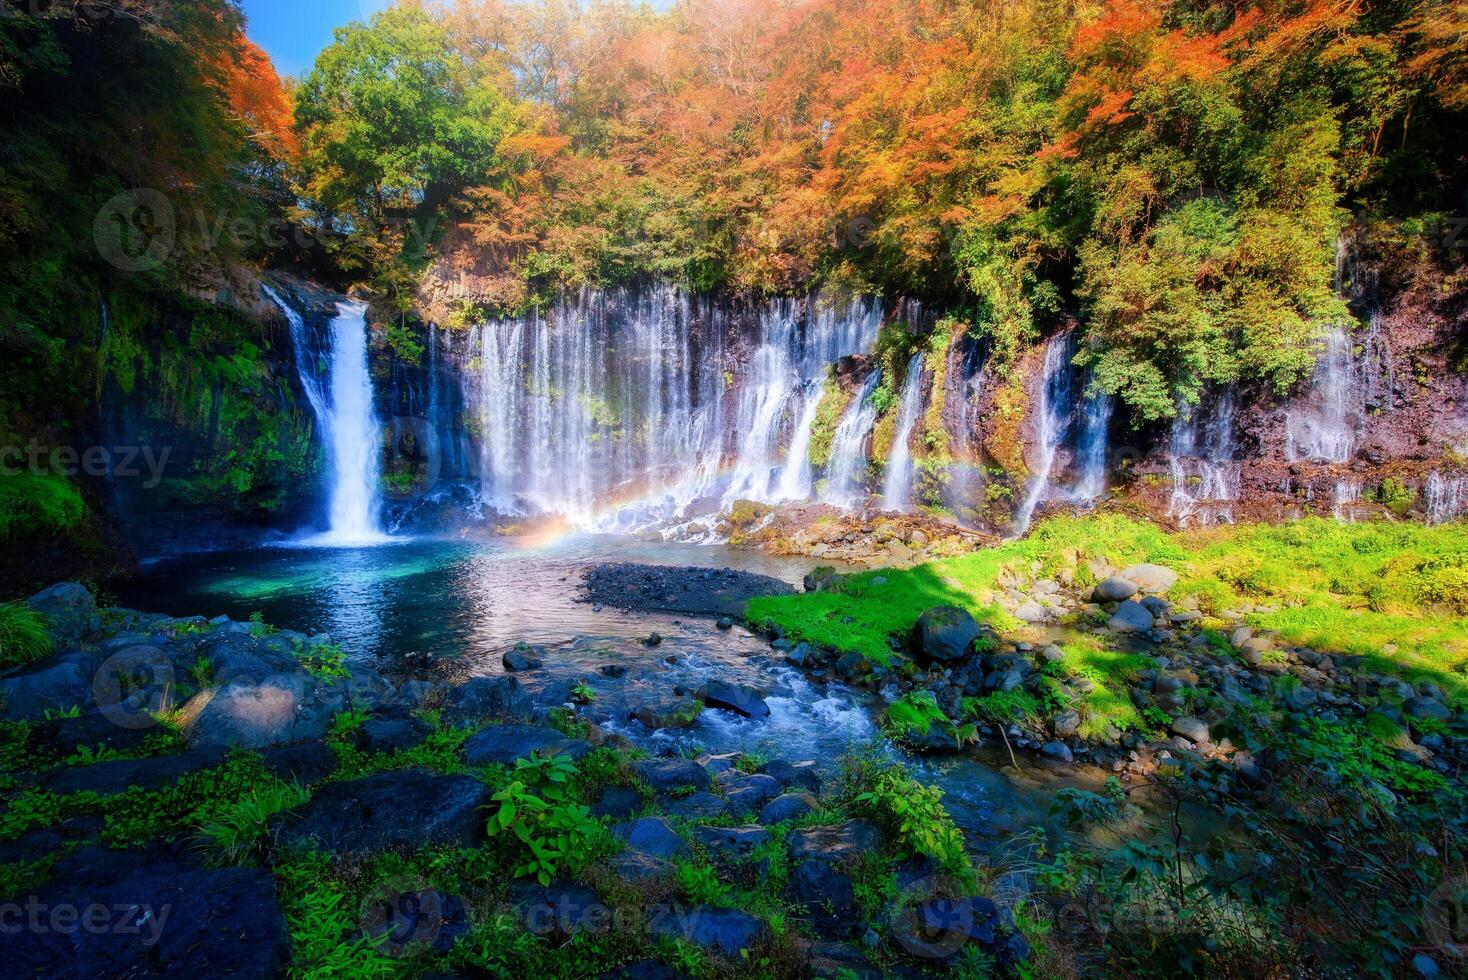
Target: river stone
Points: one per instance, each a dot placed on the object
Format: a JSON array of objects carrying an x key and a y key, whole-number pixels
[
  {"x": 791, "y": 806},
  {"x": 1153, "y": 579},
  {"x": 638, "y": 868},
  {"x": 70, "y": 613},
  {"x": 486, "y": 699},
  {"x": 747, "y": 794},
  {"x": 560, "y": 909},
  {"x": 307, "y": 763},
  {"x": 217, "y": 923},
  {"x": 409, "y": 809},
  {"x": 1066, "y": 723},
  {"x": 523, "y": 657},
  {"x": 652, "y": 836},
  {"x": 737, "y": 698},
  {"x": 617, "y": 803},
  {"x": 1301, "y": 698},
  {"x": 1115, "y": 589},
  {"x": 391, "y": 734},
  {"x": 505, "y": 744},
  {"x": 939, "y": 927},
  {"x": 1058, "y": 751},
  {"x": 726, "y": 931},
  {"x": 93, "y": 730},
  {"x": 797, "y": 775},
  {"x": 1131, "y": 617},
  {"x": 118, "y": 776},
  {"x": 828, "y": 895},
  {"x": 845, "y": 842},
  {"x": 944, "y": 634},
  {"x": 664, "y": 775},
  {"x": 699, "y": 806},
  {"x": 1429, "y": 709},
  {"x": 54, "y": 684},
  {"x": 731, "y": 844},
  {"x": 1032, "y": 612},
  {"x": 280, "y": 711},
  {"x": 1192, "y": 729},
  {"x": 682, "y": 713}
]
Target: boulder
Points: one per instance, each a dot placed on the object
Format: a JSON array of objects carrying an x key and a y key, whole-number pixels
[
  {"x": 844, "y": 842},
  {"x": 54, "y": 684},
  {"x": 282, "y": 710},
  {"x": 828, "y": 895},
  {"x": 1131, "y": 617},
  {"x": 391, "y": 734},
  {"x": 652, "y": 836},
  {"x": 523, "y": 657},
  {"x": 308, "y": 763},
  {"x": 944, "y": 634},
  {"x": 798, "y": 775},
  {"x": 70, "y": 613},
  {"x": 560, "y": 910},
  {"x": 506, "y": 744},
  {"x": 731, "y": 845},
  {"x": 409, "y": 809},
  {"x": 1152, "y": 579},
  {"x": 699, "y": 806},
  {"x": 664, "y": 775},
  {"x": 726, "y": 931},
  {"x": 681, "y": 713},
  {"x": 737, "y": 698},
  {"x": 791, "y": 806},
  {"x": 1115, "y": 589},
  {"x": 1058, "y": 751},
  {"x": 747, "y": 794},
  {"x": 119, "y": 776},
  {"x": 158, "y": 923},
  {"x": 1426, "y": 709},
  {"x": 1033, "y": 612},
  {"x": 1066, "y": 723},
  {"x": 1193, "y": 729},
  {"x": 617, "y": 803},
  {"x": 637, "y": 868},
  {"x": 938, "y": 928},
  {"x": 487, "y": 699}
]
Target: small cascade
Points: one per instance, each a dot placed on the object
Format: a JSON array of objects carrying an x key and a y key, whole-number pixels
[
  {"x": 1205, "y": 477},
  {"x": 339, "y": 388},
  {"x": 1054, "y": 413},
  {"x": 897, "y": 492},
  {"x": 1325, "y": 428},
  {"x": 965, "y": 377},
  {"x": 1091, "y": 451},
  {"x": 797, "y": 481},
  {"x": 1445, "y": 498},
  {"x": 1347, "y": 498},
  {"x": 846, "y": 475}
]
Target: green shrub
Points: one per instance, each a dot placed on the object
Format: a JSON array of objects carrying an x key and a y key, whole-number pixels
[
  {"x": 24, "y": 638},
  {"x": 234, "y": 829},
  {"x": 38, "y": 504}
]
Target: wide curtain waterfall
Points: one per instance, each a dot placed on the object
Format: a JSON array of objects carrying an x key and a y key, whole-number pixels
[{"x": 624, "y": 408}]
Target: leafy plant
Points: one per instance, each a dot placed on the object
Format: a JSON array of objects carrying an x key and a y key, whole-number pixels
[
  {"x": 234, "y": 829},
  {"x": 24, "y": 637},
  {"x": 537, "y": 811}
]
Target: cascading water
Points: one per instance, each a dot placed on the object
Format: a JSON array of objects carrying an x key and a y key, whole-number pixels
[
  {"x": 622, "y": 410},
  {"x": 897, "y": 492},
  {"x": 1054, "y": 414},
  {"x": 1445, "y": 498},
  {"x": 1205, "y": 478},
  {"x": 343, "y": 407},
  {"x": 797, "y": 479},
  {"x": 846, "y": 475},
  {"x": 1324, "y": 429},
  {"x": 1095, "y": 433}
]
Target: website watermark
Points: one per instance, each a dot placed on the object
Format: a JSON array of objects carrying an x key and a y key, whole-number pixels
[
  {"x": 37, "y": 917},
  {"x": 102, "y": 462}
]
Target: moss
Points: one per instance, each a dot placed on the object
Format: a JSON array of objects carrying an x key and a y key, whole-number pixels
[
  {"x": 834, "y": 404},
  {"x": 1005, "y": 443},
  {"x": 38, "y": 504}
]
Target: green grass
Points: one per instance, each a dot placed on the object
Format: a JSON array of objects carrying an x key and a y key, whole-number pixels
[
  {"x": 1348, "y": 588},
  {"x": 38, "y": 503},
  {"x": 23, "y": 635}
]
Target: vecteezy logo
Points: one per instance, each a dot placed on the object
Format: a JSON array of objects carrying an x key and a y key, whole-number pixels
[
  {"x": 1445, "y": 917},
  {"x": 404, "y": 912},
  {"x": 136, "y": 230},
  {"x": 131, "y": 685},
  {"x": 929, "y": 922}
]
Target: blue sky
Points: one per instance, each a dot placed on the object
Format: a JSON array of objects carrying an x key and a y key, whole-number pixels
[{"x": 292, "y": 32}]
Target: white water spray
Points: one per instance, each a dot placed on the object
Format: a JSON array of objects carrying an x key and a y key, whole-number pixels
[
  {"x": 846, "y": 475},
  {"x": 897, "y": 493}
]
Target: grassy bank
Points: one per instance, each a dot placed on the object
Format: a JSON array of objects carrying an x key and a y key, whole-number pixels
[{"x": 1394, "y": 593}]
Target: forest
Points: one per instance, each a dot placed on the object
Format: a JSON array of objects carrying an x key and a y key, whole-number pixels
[{"x": 467, "y": 480}]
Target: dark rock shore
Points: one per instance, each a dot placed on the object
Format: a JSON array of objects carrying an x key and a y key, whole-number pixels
[{"x": 690, "y": 591}]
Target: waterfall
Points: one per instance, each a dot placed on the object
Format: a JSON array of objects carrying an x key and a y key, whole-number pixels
[
  {"x": 797, "y": 480},
  {"x": 623, "y": 410},
  {"x": 345, "y": 418},
  {"x": 1053, "y": 412},
  {"x": 898, "y": 490},
  {"x": 1324, "y": 429},
  {"x": 1095, "y": 432},
  {"x": 1205, "y": 478},
  {"x": 1347, "y": 496},
  {"x": 1445, "y": 498},
  {"x": 846, "y": 474}
]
